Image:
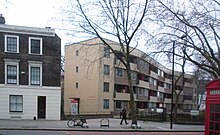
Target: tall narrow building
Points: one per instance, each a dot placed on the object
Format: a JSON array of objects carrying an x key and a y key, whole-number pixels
[{"x": 29, "y": 73}]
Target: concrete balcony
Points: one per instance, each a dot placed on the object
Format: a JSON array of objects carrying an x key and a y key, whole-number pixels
[
  {"x": 160, "y": 99},
  {"x": 153, "y": 74},
  {"x": 168, "y": 80},
  {"x": 188, "y": 84},
  {"x": 119, "y": 64},
  {"x": 161, "y": 89},
  {"x": 142, "y": 98},
  {"x": 188, "y": 102},
  {"x": 143, "y": 84},
  {"x": 153, "y": 99},
  {"x": 134, "y": 67},
  {"x": 167, "y": 100},
  {"x": 124, "y": 96}
]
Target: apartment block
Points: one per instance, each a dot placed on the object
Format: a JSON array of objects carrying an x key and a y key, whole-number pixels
[
  {"x": 29, "y": 73},
  {"x": 96, "y": 81}
]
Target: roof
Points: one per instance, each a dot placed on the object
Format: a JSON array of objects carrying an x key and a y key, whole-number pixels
[
  {"x": 27, "y": 30},
  {"x": 213, "y": 84}
]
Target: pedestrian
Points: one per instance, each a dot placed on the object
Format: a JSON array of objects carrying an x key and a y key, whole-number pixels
[{"x": 124, "y": 116}]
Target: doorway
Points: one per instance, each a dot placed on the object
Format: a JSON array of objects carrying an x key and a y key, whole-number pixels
[{"x": 41, "y": 107}]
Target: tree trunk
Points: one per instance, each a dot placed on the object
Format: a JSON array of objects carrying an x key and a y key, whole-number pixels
[
  {"x": 133, "y": 111},
  {"x": 176, "y": 106}
]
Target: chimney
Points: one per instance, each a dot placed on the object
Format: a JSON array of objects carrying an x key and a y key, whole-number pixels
[{"x": 2, "y": 19}]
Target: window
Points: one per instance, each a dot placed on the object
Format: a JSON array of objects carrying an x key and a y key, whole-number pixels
[
  {"x": 159, "y": 94},
  {"x": 35, "y": 45},
  {"x": 153, "y": 81},
  {"x": 106, "y": 104},
  {"x": 120, "y": 104},
  {"x": 134, "y": 76},
  {"x": 77, "y": 69},
  {"x": 11, "y": 43},
  {"x": 106, "y": 69},
  {"x": 106, "y": 87},
  {"x": 119, "y": 72},
  {"x": 16, "y": 103},
  {"x": 11, "y": 74},
  {"x": 145, "y": 92},
  {"x": 77, "y": 85},
  {"x": 11, "y": 71},
  {"x": 77, "y": 52},
  {"x": 160, "y": 73},
  {"x": 35, "y": 73},
  {"x": 140, "y": 91},
  {"x": 106, "y": 52}
]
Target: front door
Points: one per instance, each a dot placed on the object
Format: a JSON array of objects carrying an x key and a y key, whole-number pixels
[{"x": 41, "y": 107}]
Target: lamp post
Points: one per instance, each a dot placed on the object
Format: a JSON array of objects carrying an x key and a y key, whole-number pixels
[
  {"x": 172, "y": 90},
  {"x": 171, "y": 112}
]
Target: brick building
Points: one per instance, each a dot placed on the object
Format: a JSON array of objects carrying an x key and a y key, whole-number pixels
[{"x": 29, "y": 72}]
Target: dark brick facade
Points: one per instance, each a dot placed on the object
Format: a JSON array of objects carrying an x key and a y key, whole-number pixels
[{"x": 50, "y": 58}]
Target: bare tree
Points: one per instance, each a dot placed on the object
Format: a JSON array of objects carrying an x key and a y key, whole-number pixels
[
  {"x": 120, "y": 20},
  {"x": 196, "y": 20}
]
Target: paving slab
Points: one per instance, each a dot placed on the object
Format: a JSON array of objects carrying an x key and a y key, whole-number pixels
[{"x": 94, "y": 125}]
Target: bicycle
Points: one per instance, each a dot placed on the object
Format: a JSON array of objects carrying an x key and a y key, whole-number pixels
[{"x": 77, "y": 121}]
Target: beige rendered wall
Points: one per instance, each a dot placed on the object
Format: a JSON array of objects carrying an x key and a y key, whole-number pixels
[{"x": 90, "y": 78}]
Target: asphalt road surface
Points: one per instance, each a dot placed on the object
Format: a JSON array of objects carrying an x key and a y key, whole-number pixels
[{"x": 39, "y": 132}]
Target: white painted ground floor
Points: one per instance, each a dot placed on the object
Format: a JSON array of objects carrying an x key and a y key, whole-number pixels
[{"x": 30, "y": 102}]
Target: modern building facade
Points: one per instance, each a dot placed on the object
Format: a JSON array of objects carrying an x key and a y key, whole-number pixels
[
  {"x": 96, "y": 81},
  {"x": 29, "y": 73}
]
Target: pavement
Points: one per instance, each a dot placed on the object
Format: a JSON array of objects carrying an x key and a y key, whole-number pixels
[{"x": 94, "y": 125}]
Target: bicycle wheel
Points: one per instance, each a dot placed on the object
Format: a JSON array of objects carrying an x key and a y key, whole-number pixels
[{"x": 71, "y": 123}]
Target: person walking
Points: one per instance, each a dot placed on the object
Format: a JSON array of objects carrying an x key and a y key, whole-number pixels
[{"x": 124, "y": 116}]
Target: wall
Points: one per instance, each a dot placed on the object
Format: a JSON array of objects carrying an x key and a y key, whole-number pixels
[{"x": 30, "y": 94}]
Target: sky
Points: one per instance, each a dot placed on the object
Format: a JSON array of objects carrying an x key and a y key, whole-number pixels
[
  {"x": 36, "y": 13},
  {"x": 33, "y": 13}
]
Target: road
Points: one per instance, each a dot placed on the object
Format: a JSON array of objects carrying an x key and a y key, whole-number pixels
[{"x": 39, "y": 132}]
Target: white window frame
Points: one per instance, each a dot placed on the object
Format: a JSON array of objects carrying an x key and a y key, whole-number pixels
[
  {"x": 41, "y": 45},
  {"x": 12, "y": 63},
  {"x": 16, "y": 104},
  {"x": 34, "y": 64},
  {"x": 6, "y": 43}
]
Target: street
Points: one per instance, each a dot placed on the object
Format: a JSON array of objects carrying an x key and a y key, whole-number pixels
[{"x": 41, "y": 132}]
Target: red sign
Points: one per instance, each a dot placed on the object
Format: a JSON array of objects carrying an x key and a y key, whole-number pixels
[{"x": 74, "y": 101}]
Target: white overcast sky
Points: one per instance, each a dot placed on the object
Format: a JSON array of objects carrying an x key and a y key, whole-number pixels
[
  {"x": 33, "y": 13},
  {"x": 36, "y": 13}
]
